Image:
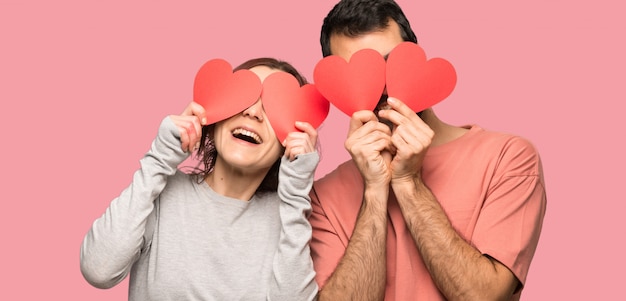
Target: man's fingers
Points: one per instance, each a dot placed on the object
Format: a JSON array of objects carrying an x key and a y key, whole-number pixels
[
  {"x": 360, "y": 118},
  {"x": 399, "y": 106}
]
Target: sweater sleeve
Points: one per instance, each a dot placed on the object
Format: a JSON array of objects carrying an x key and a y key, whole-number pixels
[
  {"x": 294, "y": 276},
  {"x": 116, "y": 238}
]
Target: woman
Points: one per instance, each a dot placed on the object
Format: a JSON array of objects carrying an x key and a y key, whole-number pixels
[{"x": 231, "y": 231}]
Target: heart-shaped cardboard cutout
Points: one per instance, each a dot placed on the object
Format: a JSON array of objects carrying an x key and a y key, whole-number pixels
[
  {"x": 285, "y": 102},
  {"x": 351, "y": 86},
  {"x": 223, "y": 93},
  {"x": 417, "y": 82}
]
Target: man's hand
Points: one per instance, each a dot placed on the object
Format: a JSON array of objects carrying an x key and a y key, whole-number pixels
[
  {"x": 411, "y": 139},
  {"x": 369, "y": 144}
]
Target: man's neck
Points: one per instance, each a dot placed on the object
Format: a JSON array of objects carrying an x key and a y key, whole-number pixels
[{"x": 444, "y": 132}]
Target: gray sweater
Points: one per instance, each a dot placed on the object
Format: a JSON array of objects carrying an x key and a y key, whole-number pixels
[{"x": 180, "y": 240}]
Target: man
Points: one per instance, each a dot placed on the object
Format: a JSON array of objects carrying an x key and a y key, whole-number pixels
[{"x": 424, "y": 210}]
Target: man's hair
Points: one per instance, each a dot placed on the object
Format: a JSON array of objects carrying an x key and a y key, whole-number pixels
[{"x": 356, "y": 17}]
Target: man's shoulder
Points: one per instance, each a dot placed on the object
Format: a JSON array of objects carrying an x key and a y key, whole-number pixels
[
  {"x": 338, "y": 195},
  {"x": 505, "y": 141},
  {"x": 345, "y": 170},
  {"x": 511, "y": 151},
  {"x": 343, "y": 179}
]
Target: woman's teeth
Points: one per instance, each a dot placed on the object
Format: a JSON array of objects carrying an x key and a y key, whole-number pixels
[{"x": 247, "y": 136}]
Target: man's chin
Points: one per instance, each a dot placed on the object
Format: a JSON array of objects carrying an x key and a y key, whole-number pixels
[
  {"x": 382, "y": 105},
  {"x": 387, "y": 123}
]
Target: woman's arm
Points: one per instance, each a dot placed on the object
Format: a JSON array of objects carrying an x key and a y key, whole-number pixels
[
  {"x": 116, "y": 239},
  {"x": 294, "y": 276}
]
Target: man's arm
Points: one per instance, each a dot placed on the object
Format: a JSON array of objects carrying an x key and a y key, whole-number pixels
[
  {"x": 361, "y": 273},
  {"x": 459, "y": 270}
]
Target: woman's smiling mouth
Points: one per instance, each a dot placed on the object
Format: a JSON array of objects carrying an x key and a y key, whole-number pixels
[{"x": 247, "y": 135}]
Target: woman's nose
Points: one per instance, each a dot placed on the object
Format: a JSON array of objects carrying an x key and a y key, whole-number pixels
[{"x": 255, "y": 111}]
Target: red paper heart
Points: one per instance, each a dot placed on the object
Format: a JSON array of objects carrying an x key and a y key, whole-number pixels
[
  {"x": 223, "y": 93},
  {"x": 417, "y": 82},
  {"x": 351, "y": 86},
  {"x": 285, "y": 102}
]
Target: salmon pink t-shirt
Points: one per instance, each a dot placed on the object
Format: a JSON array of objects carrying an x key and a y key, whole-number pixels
[{"x": 490, "y": 186}]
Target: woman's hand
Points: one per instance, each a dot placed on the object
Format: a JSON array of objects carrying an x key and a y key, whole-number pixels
[
  {"x": 189, "y": 124},
  {"x": 302, "y": 142}
]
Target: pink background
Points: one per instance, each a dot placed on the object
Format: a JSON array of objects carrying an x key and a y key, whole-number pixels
[{"x": 84, "y": 85}]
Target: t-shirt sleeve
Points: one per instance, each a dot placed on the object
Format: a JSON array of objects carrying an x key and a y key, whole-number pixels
[
  {"x": 327, "y": 245},
  {"x": 511, "y": 219}
]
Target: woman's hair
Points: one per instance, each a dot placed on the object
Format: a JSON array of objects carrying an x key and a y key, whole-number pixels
[
  {"x": 356, "y": 17},
  {"x": 207, "y": 153}
]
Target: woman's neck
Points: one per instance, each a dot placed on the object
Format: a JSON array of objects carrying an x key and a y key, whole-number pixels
[{"x": 234, "y": 183}]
